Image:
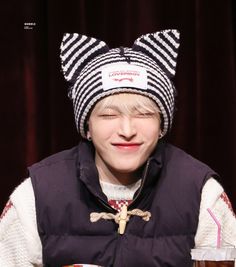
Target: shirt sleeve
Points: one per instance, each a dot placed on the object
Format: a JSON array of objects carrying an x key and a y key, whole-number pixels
[
  {"x": 20, "y": 244},
  {"x": 217, "y": 220}
]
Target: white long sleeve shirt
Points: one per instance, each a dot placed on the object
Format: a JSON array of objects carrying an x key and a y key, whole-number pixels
[{"x": 20, "y": 244}]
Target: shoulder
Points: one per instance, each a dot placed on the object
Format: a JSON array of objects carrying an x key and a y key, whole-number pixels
[
  {"x": 54, "y": 170},
  {"x": 20, "y": 207},
  {"x": 181, "y": 158},
  {"x": 23, "y": 200},
  {"x": 65, "y": 155},
  {"x": 18, "y": 227},
  {"x": 179, "y": 154},
  {"x": 189, "y": 170}
]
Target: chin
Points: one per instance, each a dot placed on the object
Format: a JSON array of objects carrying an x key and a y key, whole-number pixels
[
  {"x": 127, "y": 170},
  {"x": 124, "y": 168}
]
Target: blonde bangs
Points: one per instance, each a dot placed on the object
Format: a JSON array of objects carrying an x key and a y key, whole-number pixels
[{"x": 128, "y": 103}]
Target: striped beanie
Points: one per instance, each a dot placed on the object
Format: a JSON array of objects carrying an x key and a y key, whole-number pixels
[{"x": 95, "y": 71}]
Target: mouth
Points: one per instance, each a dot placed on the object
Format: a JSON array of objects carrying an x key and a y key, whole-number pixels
[{"x": 127, "y": 146}]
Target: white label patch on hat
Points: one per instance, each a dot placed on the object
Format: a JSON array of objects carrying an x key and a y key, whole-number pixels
[{"x": 124, "y": 75}]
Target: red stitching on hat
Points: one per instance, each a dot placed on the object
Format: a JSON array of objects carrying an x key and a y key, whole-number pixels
[{"x": 123, "y": 79}]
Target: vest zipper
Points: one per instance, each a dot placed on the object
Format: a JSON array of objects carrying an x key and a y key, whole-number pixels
[
  {"x": 142, "y": 185},
  {"x": 119, "y": 237},
  {"x": 107, "y": 206}
]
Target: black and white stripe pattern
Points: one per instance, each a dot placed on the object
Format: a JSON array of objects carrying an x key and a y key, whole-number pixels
[
  {"x": 88, "y": 88},
  {"x": 76, "y": 51},
  {"x": 161, "y": 47},
  {"x": 83, "y": 59}
]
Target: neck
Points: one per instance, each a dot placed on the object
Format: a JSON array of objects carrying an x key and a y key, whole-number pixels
[{"x": 109, "y": 175}]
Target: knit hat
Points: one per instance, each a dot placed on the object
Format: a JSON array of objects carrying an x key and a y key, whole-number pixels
[{"x": 95, "y": 71}]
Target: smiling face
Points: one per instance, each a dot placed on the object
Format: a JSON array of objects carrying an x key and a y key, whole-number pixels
[{"x": 124, "y": 129}]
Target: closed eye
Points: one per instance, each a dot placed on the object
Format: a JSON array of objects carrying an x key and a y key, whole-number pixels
[
  {"x": 108, "y": 115},
  {"x": 145, "y": 115}
]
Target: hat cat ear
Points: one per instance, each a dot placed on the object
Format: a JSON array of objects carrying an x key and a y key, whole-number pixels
[
  {"x": 162, "y": 47},
  {"x": 76, "y": 51}
]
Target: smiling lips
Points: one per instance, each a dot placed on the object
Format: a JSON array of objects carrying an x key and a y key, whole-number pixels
[{"x": 127, "y": 146}]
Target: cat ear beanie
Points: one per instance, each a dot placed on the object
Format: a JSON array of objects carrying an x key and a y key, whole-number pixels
[{"x": 94, "y": 71}]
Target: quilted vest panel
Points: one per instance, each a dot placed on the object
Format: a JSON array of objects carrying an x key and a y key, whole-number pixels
[{"x": 67, "y": 190}]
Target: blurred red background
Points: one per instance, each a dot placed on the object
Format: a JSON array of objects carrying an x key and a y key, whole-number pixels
[{"x": 36, "y": 115}]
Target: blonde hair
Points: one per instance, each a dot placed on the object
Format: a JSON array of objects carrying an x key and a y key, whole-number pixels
[{"x": 129, "y": 102}]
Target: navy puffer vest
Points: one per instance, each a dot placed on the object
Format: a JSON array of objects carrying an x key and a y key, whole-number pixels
[{"x": 67, "y": 190}]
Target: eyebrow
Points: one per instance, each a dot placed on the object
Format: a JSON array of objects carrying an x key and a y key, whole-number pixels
[
  {"x": 114, "y": 107},
  {"x": 120, "y": 109}
]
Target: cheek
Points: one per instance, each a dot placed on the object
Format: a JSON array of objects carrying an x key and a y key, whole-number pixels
[
  {"x": 150, "y": 129},
  {"x": 101, "y": 130}
]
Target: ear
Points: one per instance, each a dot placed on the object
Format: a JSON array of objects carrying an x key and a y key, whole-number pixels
[
  {"x": 88, "y": 135},
  {"x": 76, "y": 51},
  {"x": 162, "y": 47}
]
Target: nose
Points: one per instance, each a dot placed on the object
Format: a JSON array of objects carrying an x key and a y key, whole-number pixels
[{"x": 127, "y": 128}]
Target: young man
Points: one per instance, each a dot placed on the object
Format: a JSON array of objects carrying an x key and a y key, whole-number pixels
[{"x": 123, "y": 196}]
